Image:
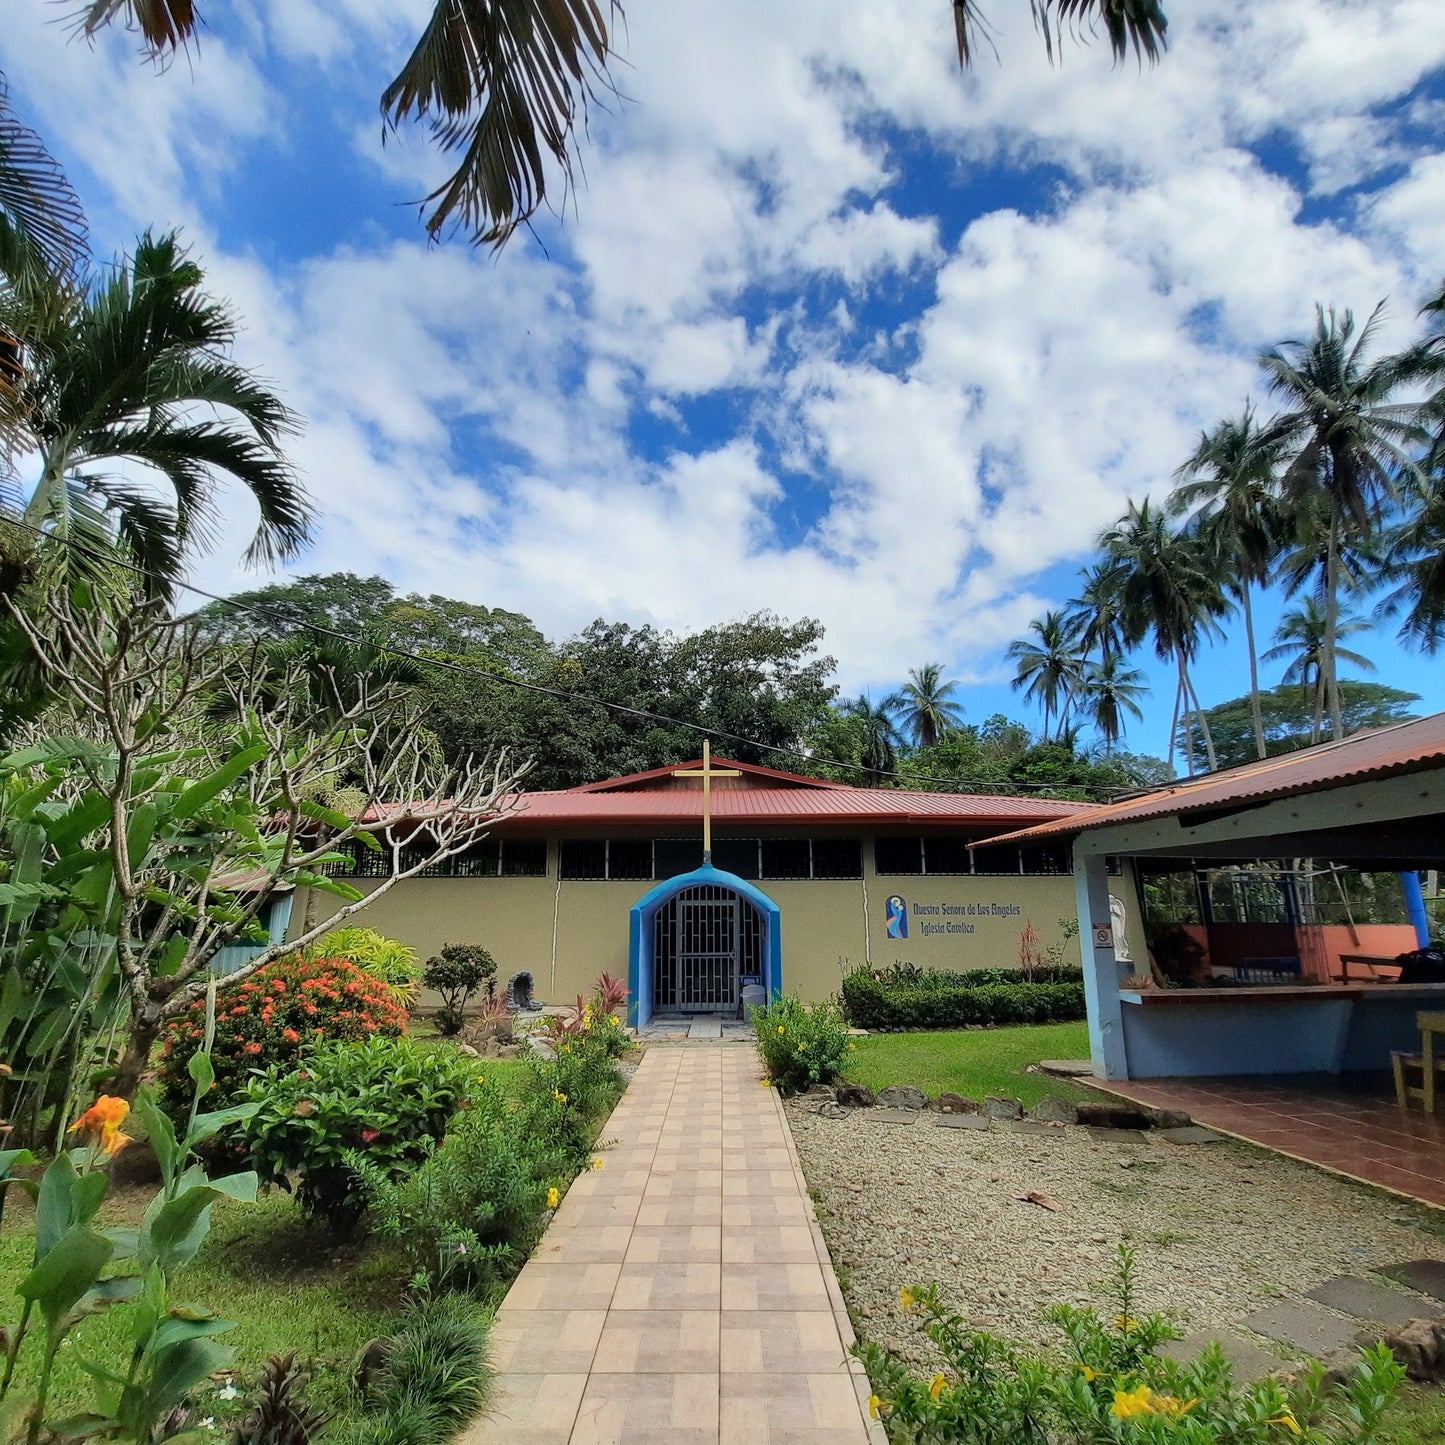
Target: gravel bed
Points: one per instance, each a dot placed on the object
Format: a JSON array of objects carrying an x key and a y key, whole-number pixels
[{"x": 1221, "y": 1230}]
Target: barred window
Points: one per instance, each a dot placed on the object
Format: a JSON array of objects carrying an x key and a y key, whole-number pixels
[{"x": 898, "y": 855}]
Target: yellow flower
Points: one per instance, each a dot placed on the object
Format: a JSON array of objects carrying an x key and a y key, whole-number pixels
[
  {"x": 1127, "y": 1323},
  {"x": 940, "y": 1383},
  {"x": 1128, "y": 1403},
  {"x": 1173, "y": 1405},
  {"x": 908, "y": 1300},
  {"x": 597, "y": 1162},
  {"x": 1088, "y": 1373},
  {"x": 1289, "y": 1422},
  {"x": 766, "y": 1083},
  {"x": 875, "y": 1405},
  {"x": 554, "y": 1197},
  {"x": 104, "y": 1117},
  {"x": 781, "y": 1029},
  {"x": 481, "y": 1078},
  {"x": 852, "y": 1046},
  {"x": 560, "y": 1097}
]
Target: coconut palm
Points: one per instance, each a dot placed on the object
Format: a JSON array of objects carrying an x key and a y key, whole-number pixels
[
  {"x": 925, "y": 705},
  {"x": 1169, "y": 591},
  {"x": 1230, "y": 485},
  {"x": 876, "y": 735},
  {"x": 1415, "y": 564},
  {"x": 1095, "y": 611},
  {"x": 1347, "y": 443},
  {"x": 1048, "y": 671},
  {"x": 504, "y": 84},
  {"x": 132, "y": 367},
  {"x": 1110, "y": 691},
  {"x": 1301, "y": 640}
]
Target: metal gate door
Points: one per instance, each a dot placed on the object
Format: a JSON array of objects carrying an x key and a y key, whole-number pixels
[{"x": 707, "y": 954}]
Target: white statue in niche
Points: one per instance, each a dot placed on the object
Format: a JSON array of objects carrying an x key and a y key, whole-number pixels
[{"x": 1117, "y": 919}]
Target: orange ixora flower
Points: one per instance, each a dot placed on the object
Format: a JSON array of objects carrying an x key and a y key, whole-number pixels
[{"x": 104, "y": 1118}]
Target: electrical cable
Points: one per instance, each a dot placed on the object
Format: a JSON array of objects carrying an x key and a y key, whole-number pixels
[{"x": 565, "y": 694}]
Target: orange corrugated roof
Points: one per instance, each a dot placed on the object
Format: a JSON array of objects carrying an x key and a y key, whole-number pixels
[{"x": 1403, "y": 748}]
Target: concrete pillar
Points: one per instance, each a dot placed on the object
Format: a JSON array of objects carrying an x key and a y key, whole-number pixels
[{"x": 1101, "y": 970}]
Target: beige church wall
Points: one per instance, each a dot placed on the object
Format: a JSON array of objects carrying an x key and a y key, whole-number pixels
[
  {"x": 593, "y": 921},
  {"x": 822, "y": 923}
]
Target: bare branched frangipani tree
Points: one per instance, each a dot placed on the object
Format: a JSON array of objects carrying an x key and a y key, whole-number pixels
[{"x": 195, "y": 825}]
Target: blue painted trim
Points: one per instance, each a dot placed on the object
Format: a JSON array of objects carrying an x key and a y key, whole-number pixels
[
  {"x": 1415, "y": 903},
  {"x": 639, "y": 952}
]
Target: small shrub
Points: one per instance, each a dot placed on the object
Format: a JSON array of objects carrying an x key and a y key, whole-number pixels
[
  {"x": 910, "y": 998},
  {"x": 389, "y": 959},
  {"x": 602, "y": 1018},
  {"x": 387, "y": 1101},
  {"x": 801, "y": 1044},
  {"x": 281, "y": 1415},
  {"x": 273, "y": 1018},
  {"x": 434, "y": 1381},
  {"x": 456, "y": 973},
  {"x": 1114, "y": 1387}
]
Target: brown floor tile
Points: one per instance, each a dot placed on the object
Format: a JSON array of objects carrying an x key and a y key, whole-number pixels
[
  {"x": 781, "y": 1244},
  {"x": 773, "y": 1287},
  {"x": 599, "y": 1210},
  {"x": 585, "y": 1244},
  {"x": 758, "y": 1183},
  {"x": 678, "y": 1209},
  {"x": 545, "y": 1342},
  {"x": 818, "y": 1409},
  {"x": 687, "y": 1181},
  {"x": 529, "y": 1410},
  {"x": 608, "y": 1181},
  {"x": 683, "y": 1243},
  {"x": 781, "y": 1342},
  {"x": 678, "y": 1342},
  {"x": 546, "y": 1285},
  {"x": 668, "y": 1285}
]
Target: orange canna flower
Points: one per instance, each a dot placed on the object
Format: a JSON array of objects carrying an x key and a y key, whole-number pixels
[{"x": 104, "y": 1118}]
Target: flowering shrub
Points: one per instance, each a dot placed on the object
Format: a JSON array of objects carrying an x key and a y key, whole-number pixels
[
  {"x": 801, "y": 1044},
  {"x": 602, "y": 1019},
  {"x": 390, "y": 960},
  {"x": 1112, "y": 1388},
  {"x": 388, "y": 1101},
  {"x": 274, "y": 1017}
]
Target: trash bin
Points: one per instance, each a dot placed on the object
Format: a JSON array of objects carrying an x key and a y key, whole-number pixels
[{"x": 754, "y": 996}]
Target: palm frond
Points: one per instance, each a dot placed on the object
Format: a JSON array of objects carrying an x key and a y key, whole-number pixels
[
  {"x": 166, "y": 25},
  {"x": 503, "y": 82},
  {"x": 38, "y": 207},
  {"x": 1139, "y": 26}
]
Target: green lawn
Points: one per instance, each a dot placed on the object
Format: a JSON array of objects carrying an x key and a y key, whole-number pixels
[
  {"x": 288, "y": 1284},
  {"x": 973, "y": 1062}
]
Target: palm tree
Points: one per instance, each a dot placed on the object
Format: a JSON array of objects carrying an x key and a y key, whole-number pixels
[
  {"x": 1230, "y": 485},
  {"x": 133, "y": 366},
  {"x": 876, "y": 734},
  {"x": 1111, "y": 690},
  {"x": 925, "y": 705},
  {"x": 1415, "y": 562},
  {"x": 1170, "y": 591},
  {"x": 1095, "y": 611},
  {"x": 1048, "y": 671},
  {"x": 1302, "y": 639},
  {"x": 504, "y": 84},
  {"x": 1347, "y": 441}
]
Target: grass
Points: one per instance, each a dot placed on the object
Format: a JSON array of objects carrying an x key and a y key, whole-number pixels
[
  {"x": 1417, "y": 1417},
  {"x": 287, "y": 1283},
  {"x": 973, "y": 1062}
]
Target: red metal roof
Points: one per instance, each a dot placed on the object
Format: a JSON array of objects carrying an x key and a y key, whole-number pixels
[
  {"x": 1404, "y": 748},
  {"x": 752, "y": 770}
]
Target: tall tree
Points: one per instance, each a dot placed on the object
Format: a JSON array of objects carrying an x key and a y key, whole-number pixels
[
  {"x": 1230, "y": 486},
  {"x": 133, "y": 366},
  {"x": 876, "y": 736},
  {"x": 1094, "y": 613},
  {"x": 1169, "y": 590},
  {"x": 925, "y": 705},
  {"x": 1048, "y": 670},
  {"x": 503, "y": 85},
  {"x": 1348, "y": 439},
  {"x": 1111, "y": 691},
  {"x": 1303, "y": 639}
]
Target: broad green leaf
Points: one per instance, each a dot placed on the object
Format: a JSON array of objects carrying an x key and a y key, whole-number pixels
[
  {"x": 140, "y": 833},
  {"x": 178, "y": 1229},
  {"x": 202, "y": 1071},
  {"x": 92, "y": 811},
  {"x": 181, "y": 1327},
  {"x": 176, "y": 1371},
  {"x": 54, "y": 1212},
  {"x": 207, "y": 1125},
  {"x": 322, "y": 814},
  {"x": 59, "y": 1282},
  {"x": 9, "y": 1158},
  {"x": 159, "y": 1130},
  {"x": 24, "y": 805},
  {"x": 200, "y": 793}
]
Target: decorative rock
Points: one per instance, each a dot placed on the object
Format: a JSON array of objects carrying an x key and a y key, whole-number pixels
[
  {"x": 1191, "y": 1134},
  {"x": 469, "y": 1051},
  {"x": 819, "y": 1091},
  {"x": 902, "y": 1096},
  {"x": 1167, "y": 1118},
  {"x": 1053, "y": 1110},
  {"x": 962, "y": 1121},
  {"x": 1116, "y": 1114},
  {"x": 1366, "y": 1300},
  {"x": 1250, "y": 1362},
  {"x": 1305, "y": 1327},
  {"x": 1425, "y": 1275},
  {"x": 1067, "y": 1068},
  {"x": 893, "y": 1115},
  {"x": 1027, "y": 1126},
  {"x": 998, "y": 1107},
  {"x": 855, "y": 1096},
  {"x": 947, "y": 1103},
  {"x": 1420, "y": 1347},
  {"x": 829, "y": 1110}
]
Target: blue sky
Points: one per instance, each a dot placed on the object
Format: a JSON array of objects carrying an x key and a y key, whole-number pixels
[{"x": 830, "y": 329}]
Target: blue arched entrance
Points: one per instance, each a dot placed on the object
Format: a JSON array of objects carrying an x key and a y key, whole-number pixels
[{"x": 702, "y": 952}]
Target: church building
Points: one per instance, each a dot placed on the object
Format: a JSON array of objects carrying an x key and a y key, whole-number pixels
[{"x": 694, "y": 881}]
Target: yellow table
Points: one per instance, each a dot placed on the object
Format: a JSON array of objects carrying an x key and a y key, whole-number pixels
[{"x": 1431, "y": 1023}]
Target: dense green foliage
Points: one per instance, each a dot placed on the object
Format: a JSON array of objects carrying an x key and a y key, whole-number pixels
[
  {"x": 1112, "y": 1386},
  {"x": 389, "y": 1101},
  {"x": 910, "y": 998},
  {"x": 273, "y": 1018},
  {"x": 801, "y": 1044},
  {"x": 456, "y": 973},
  {"x": 392, "y": 961}
]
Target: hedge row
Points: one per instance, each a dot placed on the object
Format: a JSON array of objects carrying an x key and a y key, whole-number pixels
[
  {"x": 909, "y": 975},
  {"x": 873, "y": 1002}
]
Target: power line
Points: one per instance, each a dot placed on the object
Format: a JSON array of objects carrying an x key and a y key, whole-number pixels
[{"x": 390, "y": 649}]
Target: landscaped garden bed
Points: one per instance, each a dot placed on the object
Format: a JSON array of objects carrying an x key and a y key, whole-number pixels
[{"x": 907, "y": 997}]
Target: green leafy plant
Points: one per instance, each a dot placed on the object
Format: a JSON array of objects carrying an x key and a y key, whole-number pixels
[
  {"x": 456, "y": 973},
  {"x": 389, "y": 959},
  {"x": 905, "y": 997},
  {"x": 434, "y": 1379},
  {"x": 275, "y": 1017},
  {"x": 1112, "y": 1386},
  {"x": 387, "y": 1101},
  {"x": 801, "y": 1044},
  {"x": 281, "y": 1414},
  {"x": 600, "y": 1018}
]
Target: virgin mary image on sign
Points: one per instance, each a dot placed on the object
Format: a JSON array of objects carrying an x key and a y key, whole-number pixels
[{"x": 897, "y": 917}]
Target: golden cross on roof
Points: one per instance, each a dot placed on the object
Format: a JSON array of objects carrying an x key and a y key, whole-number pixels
[{"x": 707, "y": 773}]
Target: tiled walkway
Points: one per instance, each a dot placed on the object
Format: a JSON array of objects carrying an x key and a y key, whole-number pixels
[
  {"x": 682, "y": 1292},
  {"x": 1348, "y": 1123}
]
